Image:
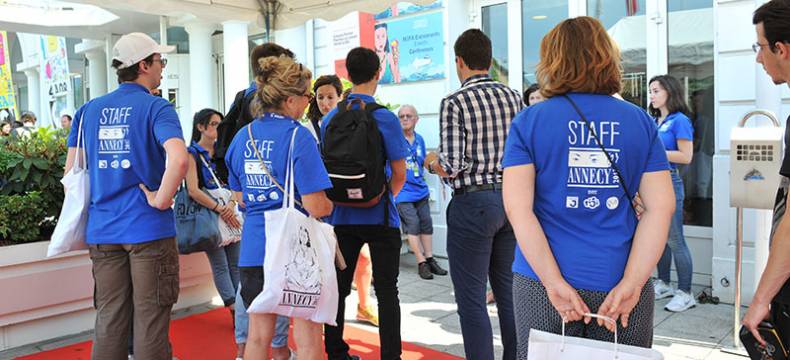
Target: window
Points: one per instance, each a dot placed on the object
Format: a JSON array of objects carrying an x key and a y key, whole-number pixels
[
  {"x": 625, "y": 22},
  {"x": 494, "y": 21},
  {"x": 690, "y": 37},
  {"x": 537, "y": 18}
]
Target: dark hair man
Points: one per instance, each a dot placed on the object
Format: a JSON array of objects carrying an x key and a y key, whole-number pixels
[
  {"x": 474, "y": 121},
  {"x": 356, "y": 226},
  {"x": 773, "y": 292}
]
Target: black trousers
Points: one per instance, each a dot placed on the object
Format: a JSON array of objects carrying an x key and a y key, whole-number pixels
[{"x": 384, "y": 243}]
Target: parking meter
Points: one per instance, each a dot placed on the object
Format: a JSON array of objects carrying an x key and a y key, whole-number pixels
[{"x": 755, "y": 158}]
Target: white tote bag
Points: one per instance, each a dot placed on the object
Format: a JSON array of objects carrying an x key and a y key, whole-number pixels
[
  {"x": 69, "y": 234},
  {"x": 228, "y": 234},
  {"x": 299, "y": 265},
  {"x": 544, "y": 345}
]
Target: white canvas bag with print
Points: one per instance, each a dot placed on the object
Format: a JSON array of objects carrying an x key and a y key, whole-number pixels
[
  {"x": 69, "y": 234},
  {"x": 299, "y": 272},
  {"x": 228, "y": 234},
  {"x": 544, "y": 345}
]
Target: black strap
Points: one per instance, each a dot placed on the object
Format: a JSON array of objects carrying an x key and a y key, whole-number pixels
[{"x": 609, "y": 157}]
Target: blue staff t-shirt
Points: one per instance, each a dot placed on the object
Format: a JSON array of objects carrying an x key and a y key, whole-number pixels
[
  {"x": 415, "y": 188},
  {"x": 394, "y": 149},
  {"x": 272, "y": 134},
  {"x": 208, "y": 180},
  {"x": 676, "y": 126},
  {"x": 125, "y": 131},
  {"x": 579, "y": 201}
]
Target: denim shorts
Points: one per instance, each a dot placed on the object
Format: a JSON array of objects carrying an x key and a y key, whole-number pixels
[{"x": 415, "y": 217}]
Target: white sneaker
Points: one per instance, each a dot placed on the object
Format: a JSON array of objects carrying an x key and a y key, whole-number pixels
[
  {"x": 682, "y": 301},
  {"x": 662, "y": 289}
]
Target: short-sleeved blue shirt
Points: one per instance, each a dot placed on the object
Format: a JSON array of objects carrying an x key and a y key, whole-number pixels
[
  {"x": 394, "y": 149},
  {"x": 272, "y": 134},
  {"x": 125, "y": 131},
  {"x": 208, "y": 179},
  {"x": 415, "y": 188},
  {"x": 579, "y": 201},
  {"x": 676, "y": 126}
]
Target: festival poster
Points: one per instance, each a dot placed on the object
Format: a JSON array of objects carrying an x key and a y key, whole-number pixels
[
  {"x": 55, "y": 73},
  {"x": 410, "y": 49},
  {"x": 8, "y": 110}
]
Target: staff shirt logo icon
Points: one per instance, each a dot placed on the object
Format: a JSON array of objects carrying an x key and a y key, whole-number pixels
[
  {"x": 572, "y": 202},
  {"x": 592, "y": 203}
]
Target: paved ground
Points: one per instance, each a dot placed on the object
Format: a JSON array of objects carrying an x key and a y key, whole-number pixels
[{"x": 430, "y": 318}]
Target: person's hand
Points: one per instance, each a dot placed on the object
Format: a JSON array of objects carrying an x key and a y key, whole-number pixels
[
  {"x": 757, "y": 312},
  {"x": 568, "y": 303},
  {"x": 150, "y": 196},
  {"x": 429, "y": 158},
  {"x": 639, "y": 206},
  {"x": 228, "y": 215},
  {"x": 618, "y": 304}
]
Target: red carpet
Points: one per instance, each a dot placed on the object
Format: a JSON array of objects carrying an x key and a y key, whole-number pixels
[{"x": 210, "y": 336}]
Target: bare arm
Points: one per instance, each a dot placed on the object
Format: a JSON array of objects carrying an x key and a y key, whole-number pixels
[
  {"x": 398, "y": 176},
  {"x": 683, "y": 154},
  {"x": 317, "y": 204},
  {"x": 649, "y": 241},
  {"x": 194, "y": 189},
  {"x": 776, "y": 273},
  {"x": 174, "y": 172},
  {"x": 518, "y": 193},
  {"x": 70, "y": 156}
]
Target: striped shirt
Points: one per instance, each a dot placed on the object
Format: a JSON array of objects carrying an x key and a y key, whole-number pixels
[{"x": 474, "y": 122}]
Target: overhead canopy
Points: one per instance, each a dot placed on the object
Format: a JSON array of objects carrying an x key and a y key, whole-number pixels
[
  {"x": 284, "y": 13},
  {"x": 690, "y": 38}
]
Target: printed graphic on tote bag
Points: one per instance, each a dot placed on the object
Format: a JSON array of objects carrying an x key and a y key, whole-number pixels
[{"x": 302, "y": 273}]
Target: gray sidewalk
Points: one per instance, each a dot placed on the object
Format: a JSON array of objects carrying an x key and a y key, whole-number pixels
[{"x": 429, "y": 318}]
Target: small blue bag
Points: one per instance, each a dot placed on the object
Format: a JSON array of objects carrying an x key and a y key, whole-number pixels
[{"x": 197, "y": 228}]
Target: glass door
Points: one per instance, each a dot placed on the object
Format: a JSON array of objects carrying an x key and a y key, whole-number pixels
[{"x": 494, "y": 24}]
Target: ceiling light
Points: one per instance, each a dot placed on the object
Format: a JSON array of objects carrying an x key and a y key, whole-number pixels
[{"x": 540, "y": 17}]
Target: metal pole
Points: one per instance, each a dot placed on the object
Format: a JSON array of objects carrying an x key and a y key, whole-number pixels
[{"x": 736, "y": 325}]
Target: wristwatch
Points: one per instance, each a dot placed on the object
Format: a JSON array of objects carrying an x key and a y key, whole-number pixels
[{"x": 430, "y": 167}]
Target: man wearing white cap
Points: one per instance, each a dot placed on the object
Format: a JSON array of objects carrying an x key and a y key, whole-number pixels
[{"x": 136, "y": 158}]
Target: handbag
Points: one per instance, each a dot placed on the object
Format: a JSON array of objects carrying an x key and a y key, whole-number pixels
[
  {"x": 197, "y": 228},
  {"x": 222, "y": 196},
  {"x": 301, "y": 280},
  {"x": 69, "y": 234},
  {"x": 545, "y": 345},
  {"x": 774, "y": 346}
]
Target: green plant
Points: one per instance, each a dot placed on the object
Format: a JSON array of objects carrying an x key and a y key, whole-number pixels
[
  {"x": 35, "y": 164},
  {"x": 21, "y": 217}
]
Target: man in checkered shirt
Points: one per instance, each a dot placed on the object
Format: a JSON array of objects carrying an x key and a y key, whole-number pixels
[{"x": 474, "y": 122}]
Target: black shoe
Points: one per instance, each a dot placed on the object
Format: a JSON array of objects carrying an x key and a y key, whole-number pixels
[
  {"x": 435, "y": 268},
  {"x": 424, "y": 270}
]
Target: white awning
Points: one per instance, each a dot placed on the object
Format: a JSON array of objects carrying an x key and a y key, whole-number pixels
[
  {"x": 290, "y": 13},
  {"x": 690, "y": 38}
]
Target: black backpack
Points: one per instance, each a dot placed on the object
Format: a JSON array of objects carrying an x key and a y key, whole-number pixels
[
  {"x": 353, "y": 153},
  {"x": 237, "y": 117}
]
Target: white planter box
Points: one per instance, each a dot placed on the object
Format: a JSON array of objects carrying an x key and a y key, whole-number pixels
[{"x": 43, "y": 298}]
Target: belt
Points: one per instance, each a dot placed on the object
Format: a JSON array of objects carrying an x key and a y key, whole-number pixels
[{"x": 474, "y": 188}]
